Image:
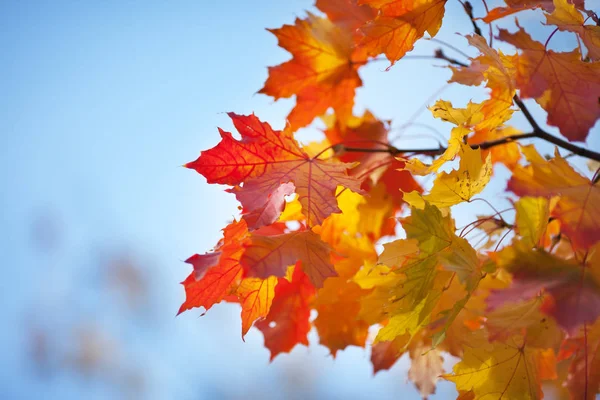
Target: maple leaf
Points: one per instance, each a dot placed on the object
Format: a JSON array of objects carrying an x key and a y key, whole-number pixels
[
  {"x": 337, "y": 305},
  {"x": 515, "y": 6},
  {"x": 322, "y": 72},
  {"x": 455, "y": 142},
  {"x": 399, "y": 25},
  {"x": 203, "y": 262},
  {"x": 436, "y": 237},
  {"x": 579, "y": 198},
  {"x": 574, "y": 291},
  {"x": 225, "y": 279},
  {"x": 256, "y": 296},
  {"x": 469, "y": 116},
  {"x": 504, "y": 370},
  {"x": 583, "y": 380},
  {"x": 524, "y": 318},
  {"x": 396, "y": 253},
  {"x": 271, "y": 255},
  {"x": 407, "y": 324},
  {"x": 267, "y": 214},
  {"x": 459, "y": 185},
  {"x": 567, "y": 18},
  {"x": 215, "y": 283},
  {"x": 385, "y": 354},
  {"x": 425, "y": 368},
  {"x": 347, "y": 13},
  {"x": 263, "y": 160},
  {"x": 420, "y": 290},
  {"x": 532, "y": 218},
  {"x": 287, "y": 323},
  {"x": 378, "y": 304},
  {"x": 566, "y": 87}
]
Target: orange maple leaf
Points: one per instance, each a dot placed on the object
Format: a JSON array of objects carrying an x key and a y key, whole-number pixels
[
  {"x": 214, "y": 284},
  {"x": 337, "y": 323},
  {"x": 346, "y": 13},
  {"x": 399, "y": 25},
  {"x": 322, "y": 72}
]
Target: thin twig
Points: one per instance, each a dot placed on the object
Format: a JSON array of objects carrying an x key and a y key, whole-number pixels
[
  {"x": 469, "y": 10},
  {"x": 580, "y": 151}
]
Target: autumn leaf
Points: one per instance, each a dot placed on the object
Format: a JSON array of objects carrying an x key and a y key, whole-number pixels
[
  {"x": 436, "y": 237},
  {"x": 532, "y": 218},
  {"x": 567, "y": 18},
  {"x": 396, "y": 253},
  {"x": 203, "y": 262},
  {"x": 399, "y": 25},
  {"x": 322, "y": 72},
  {"x": 566, "y": 87},
  {"x": 515, "y": 6},
  {"x": 264, "y": 160},
  {"x": 583, "y": 380},
  {"x": 425, "y": 368},
  {"x": 407, "y": 324},
  {"x": 573, "y": 291},
  {"x": 256, "y": 296},
  {"x": 267, "y": 214},
  {"x": 579, "y": 197},
  {"x": 455, "y": 143},
  {"x": 346, "y": 13},
  {"x": 459, "y": 185},
  {"x": 222, "y": 279},
  {"x": 524, "y": 318},
  {"x": 287, "y": 323},
  {"x": 266, "y": 256},
  {"x": 337, "y": 323},
  {"x": 385, "y": 354},
  {"x": 511, "y": 370},
  {"x": 421, "y": 288},
  {"x": 468, "y": 117}
]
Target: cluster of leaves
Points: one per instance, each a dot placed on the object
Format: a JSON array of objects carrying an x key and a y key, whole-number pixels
[{"x": 517, "y": 310}]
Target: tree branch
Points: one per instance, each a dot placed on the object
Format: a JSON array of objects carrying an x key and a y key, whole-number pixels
[
  {"x": 433, "y": 151},
  {"x": 580, "y": 151}
]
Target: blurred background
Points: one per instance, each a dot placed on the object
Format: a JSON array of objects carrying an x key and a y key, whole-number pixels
[{"x": 102, "y": 102}]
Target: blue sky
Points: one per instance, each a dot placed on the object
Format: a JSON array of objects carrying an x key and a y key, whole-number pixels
[{"x": 102, "y": 103}]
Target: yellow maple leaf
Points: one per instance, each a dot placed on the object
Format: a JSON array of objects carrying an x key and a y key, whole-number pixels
[
  {"x": 532, "y": 218},
  {"x": 567, "y": 18},
  {"x": 459, "y": 185},
  {"x": 510, "y": 370},
  {"x": 256, "y": 296}
]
